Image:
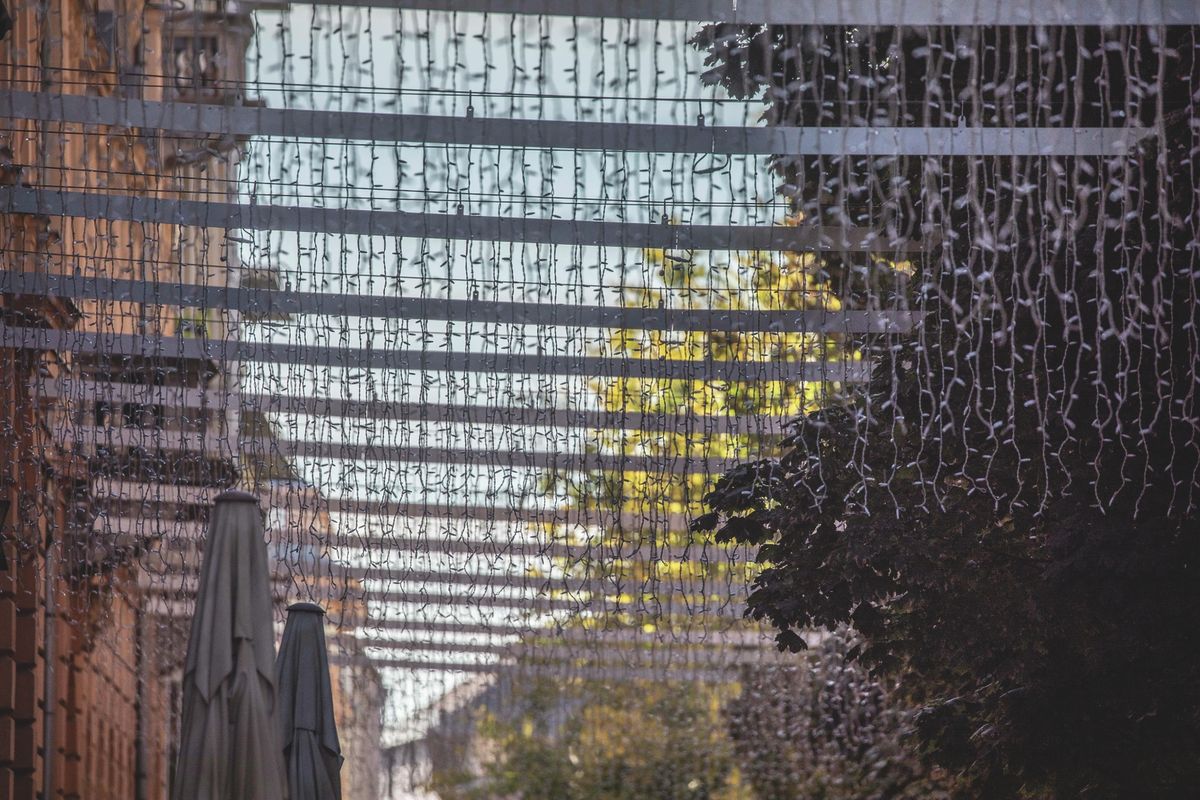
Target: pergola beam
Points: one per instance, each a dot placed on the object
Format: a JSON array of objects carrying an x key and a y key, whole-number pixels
[
  {"x": 501, "y": 627},
  {"x": 149, "y": 494},
  {"x": 464, "y": 414},
  {"x": 664, "y": 656},
  {"x": 185, "y": 586},
  {"x": 419, "y": 225},
  {"x": 623, "y": 637},
  {"x": 272, "y": 302},
  {"x": 128, "y": 530},
  {"x": 724, "y": 607},
  {"x": 349, "y": 580},
  {"x": 133, "y": 529},
  {"x": 220, "y": 120},
  {"x": 723, "y": 630},
  {"x": 496, "y": 458},
  {"x": 230, "y": 350},
  {"x": 90, "y": 439},
  {"x": 595, "y": 588},
  {"x": 579, "y": 592},
  {"x": 834, "y": 12},
  {"x": 713, "y": 674}
]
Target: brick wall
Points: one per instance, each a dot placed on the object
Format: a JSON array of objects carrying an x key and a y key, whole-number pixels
[
  {"x": 99, "y": 675},
  {"x": 112, "y": 705},
  {"x": 107, "y": 707}
]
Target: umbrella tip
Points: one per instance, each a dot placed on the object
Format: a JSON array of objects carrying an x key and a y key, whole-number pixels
[
  {"x": 236, "y": 496},
  {"x": 311, "y": 608}
]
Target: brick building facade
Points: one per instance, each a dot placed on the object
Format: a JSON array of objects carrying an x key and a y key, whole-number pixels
[
  {"x": 82, "y": 711},
  {"x": 94, "y": 465}
]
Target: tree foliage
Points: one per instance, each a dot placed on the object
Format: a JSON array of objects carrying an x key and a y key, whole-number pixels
[
  {"x": 590, "y": 741},
  {"x": 1007, "y": 516},
  {"x": 825, "y": 728},
  {"x": 683, "y": 280}
]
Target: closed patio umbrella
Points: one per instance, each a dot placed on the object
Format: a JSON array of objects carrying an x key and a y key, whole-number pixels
[
  {"x": 310, "y": 740},
  {"x": 229, "y": 738}
]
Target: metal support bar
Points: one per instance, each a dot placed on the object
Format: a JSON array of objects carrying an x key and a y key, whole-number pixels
[
  {"x": 273, "y": 302},
  {"x": 89, "y": 439},
  {"x": 500, "y": 627},
  {"x": 735, "y": 638},
  {"x": 226, "y": 351},
  {"x": 595, "y": 654},
  {"x": 647, "y": 550},
  {"x": 576, "y": 593},
  {"x": 385, "y": 452},
  {"x": 593, "y": 588},
  {"x": 599, "y": 674},
  {"x": 189, "y": 118},
  {"x": 135, "y": 529},
  {"x": 582, "y": 591},
  {"x": 105, "y": 489},
  {"x": 460, "y": 414},
  {"x": 348, "y": 578},
  {"x": 366, "y": 222},
  {"x": 835, "y": 12},
  {"x": 725, "y": 607},
  {"x": 179, "y": 586}
]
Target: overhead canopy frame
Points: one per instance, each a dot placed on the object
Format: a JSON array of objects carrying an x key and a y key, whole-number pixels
[
  {"x": 583, "y": 591},
  {"x": 712, "y": 674},
  {"x": 225, "y": 120},
  {"x": 600, "y": 654},
  {"x": 648, "y": 550},
  {"x": 117, "y": 392},
  {"x": 744, "y": 636},
  {"x": 834, "y": 12},
  {"x": 178, "y": 586},
  {"x": 283, "y": 496},
  {"x": 85, "y": 438},
  {"x": 448, "y": 227},
  {"x": 231, "y": 350},
  {"x": 256, "y": 301}
]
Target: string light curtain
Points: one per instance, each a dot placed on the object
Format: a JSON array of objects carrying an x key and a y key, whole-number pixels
[{"x": 481, "y": 299}]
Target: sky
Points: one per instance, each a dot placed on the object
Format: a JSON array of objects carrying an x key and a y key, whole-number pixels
[{"x": 390, "y": 61}]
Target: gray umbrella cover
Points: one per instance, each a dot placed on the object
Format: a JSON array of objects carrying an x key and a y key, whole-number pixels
[
  {"x": 229, "y": 738},
  {"x": 310, "y": 740}
]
